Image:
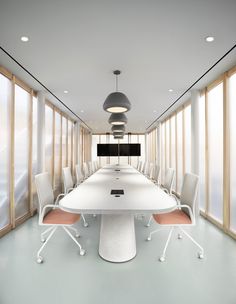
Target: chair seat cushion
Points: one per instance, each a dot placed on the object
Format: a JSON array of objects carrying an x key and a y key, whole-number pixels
[
  {"x": 58, "y": 216},
  {"x": 174, "y": 217}
]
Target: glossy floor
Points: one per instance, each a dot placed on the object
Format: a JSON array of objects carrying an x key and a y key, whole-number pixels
[{"x": 67, "y": 278}]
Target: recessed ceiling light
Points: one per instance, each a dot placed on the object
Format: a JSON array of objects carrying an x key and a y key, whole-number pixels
[
  {"x": 66, "y": 92},
  {"x": 154, "y": 111},
  {"x": 24, "y": 38},
  {"x": 82, "y": 111},
  {"x": 170, "y": 90},
  {"x": 209, "y": 38}
]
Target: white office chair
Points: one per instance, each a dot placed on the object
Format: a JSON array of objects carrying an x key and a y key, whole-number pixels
[
  {"x": 51, "y": 215},
  {"x": 167, "y": 185},
  {"x": 94, "y": 166},
  {"x": 79, "y": 175},
  {"x": 146, "y": 169},
  {"x": 85, "y": 170},
  {"x": 154, "y": 175},
  {"x": 143, "y": 168},
  {"x": 90, "y": 168},
  {"x": 69, "y": 186},
  {"x": 140, "y": 166},
  {"x": 150, "y": 171},
  {"x": 183, "y": 215}
]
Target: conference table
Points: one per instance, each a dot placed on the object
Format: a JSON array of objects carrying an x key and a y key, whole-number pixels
[{"x": 117, "y": 231}]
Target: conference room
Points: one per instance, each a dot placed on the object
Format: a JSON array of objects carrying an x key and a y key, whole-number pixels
[{"x": 117, "y": 145}]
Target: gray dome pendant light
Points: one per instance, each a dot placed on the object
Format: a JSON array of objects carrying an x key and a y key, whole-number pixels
[
  {"x": 117, "y": 119},
  {"x": 117, "y": 102},
  {"x": 118, "y": 128}
]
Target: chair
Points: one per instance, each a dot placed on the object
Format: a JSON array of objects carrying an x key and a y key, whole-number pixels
[
  {"x": 182, "y": 216},
  {"x": 90, "y": 168},
  {"x": 154, "y": 175},
  {"x": 51, "y": 215},
  {"x": 146, "y": 169},
  {"x": 79, "y": 175},
  {"x": 167, "y": 185},
  {"x": 85, "y": 170},
  {"x": 69, "y": 186},
  {"x": 140, "y": 166}
]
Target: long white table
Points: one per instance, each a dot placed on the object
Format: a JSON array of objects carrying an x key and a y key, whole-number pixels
[{"x": 117, "y": 232}]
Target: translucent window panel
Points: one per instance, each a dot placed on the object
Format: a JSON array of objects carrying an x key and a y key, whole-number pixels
[
  {"x": 70, "y": 126},
  {"x": 232, "y": 100},
  {"x": 187, "y": 137},
  {"x": 202, "y": 145},
  {"x": 113, "y": 159},
  {"x": 215, "y": 148},
  {"x": 22, "y": 99},
  {"x": 95, "y": 141},
  {"x": 124, "y": 159},
  {"x": 64, "y": 142},
  {"x": 5, "y": 91},
  {"x": 141, "y": 139},
  {"x": 48, "y": 138},
  {"x": 103, "y": 160},
  {"x": 163, "y": 155},
  {"x": 57, "y": 152},
  {"x": 172, "y": 149},
  {"x": 134, "y": 159},
  {"x": 167, "y": 144},
  {"x": 34, "y": 148},
  {"x": 179, "y": 143}
]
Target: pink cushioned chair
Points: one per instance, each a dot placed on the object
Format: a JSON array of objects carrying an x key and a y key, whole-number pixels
[
  {"x": 51, "y": 215},
  {"x": 182, "y": 216}
]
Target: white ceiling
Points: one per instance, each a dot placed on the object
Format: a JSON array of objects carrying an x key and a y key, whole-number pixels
[{"x": 75, "y": 45}]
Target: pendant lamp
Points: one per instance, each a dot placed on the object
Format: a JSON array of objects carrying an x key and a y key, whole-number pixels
[
  {"x": 117, "y": 119},
  {"x": 117, "y": 102}
]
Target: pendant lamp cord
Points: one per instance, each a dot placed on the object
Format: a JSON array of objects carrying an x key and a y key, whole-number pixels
[{"x": 116, "y": 83}]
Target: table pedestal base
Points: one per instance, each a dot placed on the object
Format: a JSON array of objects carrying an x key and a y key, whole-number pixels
[{"x": 117, "y": 238}]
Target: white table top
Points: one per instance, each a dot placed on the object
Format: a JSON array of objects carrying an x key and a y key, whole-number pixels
[{"x": 140, "y": 194}]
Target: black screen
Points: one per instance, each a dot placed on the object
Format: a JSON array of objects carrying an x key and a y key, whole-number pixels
[
  {"x": 118, "y": 150},
  {"x": 107, "y": 150}
]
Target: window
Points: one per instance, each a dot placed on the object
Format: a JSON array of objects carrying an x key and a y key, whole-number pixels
[
  {"x": 5, "y": 95},
  {"x": 215, "y": 150},
  {"x": 21, "y": 153},
  {"x": 232, "y": 107}
]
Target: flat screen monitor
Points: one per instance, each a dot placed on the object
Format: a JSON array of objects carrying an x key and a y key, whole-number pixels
[{"x": 118, "y": 150}]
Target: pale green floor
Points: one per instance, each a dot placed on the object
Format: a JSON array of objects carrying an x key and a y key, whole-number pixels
[{"x": 67, "y": 278}]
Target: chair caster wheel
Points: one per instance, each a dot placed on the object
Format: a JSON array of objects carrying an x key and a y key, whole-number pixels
[
  {"x": 39, "y": 260},
  {"x": 162, "y": 259},
  {"x": 148, "y": 238},
  {"x": 43, "y": 240},
  {"x": 85, "y": 225},
  {"x": 94, "y": 215},
  {"x": 180, "y": 237},
  {"x": 82, "y": 252},
  {"x": 147, "y": 225},
  {"x": 200, "y": 255},
  {"x": 77, "y": 235}
]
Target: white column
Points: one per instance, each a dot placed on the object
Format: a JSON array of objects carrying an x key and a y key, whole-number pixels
[
  {"x": 41, "y": 132},
  {"x": 195, "y": 96}
]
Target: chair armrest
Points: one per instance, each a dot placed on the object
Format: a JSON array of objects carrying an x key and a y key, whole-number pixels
[
  {"x": 189, "y": 210},
  {"x": 57, "y": 199},
  {"x": 177, "y": 199},
  {"x": 41, "y": 216}
]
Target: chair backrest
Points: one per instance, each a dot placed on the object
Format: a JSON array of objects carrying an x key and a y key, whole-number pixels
[
  {"x": 150, "y": 171},
  {"x": 156, "y": 173},
  {"x": 85, "y": 170},
  {"x": 78, "y": 173},
  {"x": 67, "y": 179},
  {"x": 189, "y": 191},
  {"x": 44, "y": 190},
  {"x": 140, "y": 166},
  {"x": 146, "y": 168},
  {"x": 94, "y": 166},
  {"x": 143, "y": 167},
  {"x": 90, "y": 168},
  {"x": 169, "y": 177}
]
